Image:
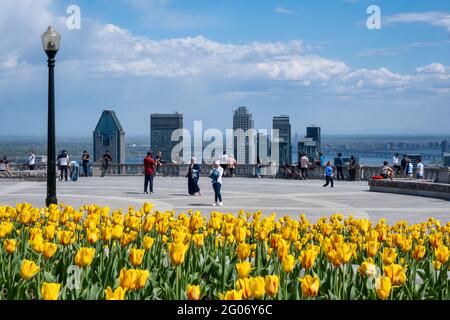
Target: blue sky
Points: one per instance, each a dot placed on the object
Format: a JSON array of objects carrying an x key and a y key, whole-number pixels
[{"x": 313, "y": 60}]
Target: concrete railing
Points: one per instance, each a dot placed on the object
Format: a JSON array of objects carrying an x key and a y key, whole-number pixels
[
  {"x": 412, "y": 187},
  {"x": 363, "y": 173}
]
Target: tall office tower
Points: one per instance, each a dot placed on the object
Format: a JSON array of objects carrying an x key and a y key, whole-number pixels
[
  {"x": 282, "y": 124},
  {"x": 109, "y": 136},
  {"x": 242, "y": 119},
  {"x": 161, "y": 128},
  {"x": 444, "y": 147},
  {"x": 309, "y": 147},
  {"x": 314, "y": 133}
]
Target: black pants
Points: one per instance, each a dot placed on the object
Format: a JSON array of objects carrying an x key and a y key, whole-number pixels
[
  {"x": 352, "y": 173},
  {"x": 231, "y": 171},
  {"x": 148, "y": 180},
  {"x": 304, "y": 173},
  {"x": 224, "y": 167},
  {"x": 329, "y": 179},
  {"x": 85, "y": 169},
  {"x": 31, "y": 166},
  {"x": 63, "y": 170},
  {"x": 398, "y": 168},
  {"x": 217, "y": 194},
  {"x": 340, "y": 173}
]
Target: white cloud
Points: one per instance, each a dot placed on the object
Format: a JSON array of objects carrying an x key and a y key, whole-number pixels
[
  {"x": 282, "y": 10},
  {"x": 432, "y": 68},
  {"x": 434, "y": 18}
]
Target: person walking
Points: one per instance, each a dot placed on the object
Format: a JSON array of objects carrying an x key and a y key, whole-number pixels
[
  {"x": 420, "y": 169},
  {"x": 85, "y": 158},
  {"x": 258, "y": 167},
  {"x": 149, "y": 171},
  {"x": 304, "y": 164},
  {"x": 232, "y": 163},
  {"x": 106, "y": 159},
  {"x": 74, "y": 168},
  {"x": 216, "y": 175},
  {"x": 329, "y": 175},
  {"x": 396, "y": 163},
  {"x": 31, "y": 161},
  {"x": 338, "y": 163},
  {"x": 63, "y": 162},
  {"x": 224, "y": 162},
  {"x": 193, "y": 176},
  {"x": 352, "y": 168}
]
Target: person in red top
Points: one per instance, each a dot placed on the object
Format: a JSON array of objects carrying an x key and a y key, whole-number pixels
[{"x": 149, "y": 169}]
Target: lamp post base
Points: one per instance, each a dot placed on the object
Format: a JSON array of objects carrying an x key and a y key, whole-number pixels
[{"x": 50, "y": 200}]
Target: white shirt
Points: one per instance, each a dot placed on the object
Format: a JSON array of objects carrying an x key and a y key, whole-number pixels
[
  {"x": 224, "y": 159},
  {"x": 396, "y": 161},
  {"x": 64, "y": 161},
  {"x": 420, "y": 169},
  {"x": 32, "y": 160}
]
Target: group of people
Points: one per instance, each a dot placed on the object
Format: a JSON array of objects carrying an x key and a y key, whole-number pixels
[
  {"x": 152, "y": 165},
  {"x": 402, "y": 168}
]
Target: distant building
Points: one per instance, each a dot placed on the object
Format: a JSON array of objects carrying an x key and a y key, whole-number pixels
[
  {"x": 161, "y": 128},
  {"x": 283, "y": 125},
  {"x": 309, "y": 147},
  {"x": 446, "y": 159},
  {"x": 242, "y": 119},
  {"x": 262, "y": 140},
  {"x": 314, "y": 133},
  {"x": 444, "y": 146},
  {"x": 109, "y": 136}
]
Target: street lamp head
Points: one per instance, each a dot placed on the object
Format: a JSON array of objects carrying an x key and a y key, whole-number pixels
[{"x": 51, "y": 40}]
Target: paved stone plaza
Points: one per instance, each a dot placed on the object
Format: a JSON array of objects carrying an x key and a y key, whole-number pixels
[{"x": 286, "y": 197}]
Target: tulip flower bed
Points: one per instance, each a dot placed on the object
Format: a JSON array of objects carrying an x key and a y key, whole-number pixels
[{"x": 90, "y": 253}]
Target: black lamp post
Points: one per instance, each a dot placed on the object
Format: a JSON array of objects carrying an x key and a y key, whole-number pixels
[{"x": 51, "y": 41}]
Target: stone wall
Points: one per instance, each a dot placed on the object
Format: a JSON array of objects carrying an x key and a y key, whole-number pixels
[{"x": 412, "y": 187}]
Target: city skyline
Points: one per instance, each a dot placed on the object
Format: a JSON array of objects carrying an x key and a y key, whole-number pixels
[{"x": 318, "y": 64}]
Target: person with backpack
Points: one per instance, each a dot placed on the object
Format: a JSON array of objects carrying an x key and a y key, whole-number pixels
[
  {"x": 149, "y": 171},
  {"x": 216, "y": 175},
  {"x": 338, "y": 163}
]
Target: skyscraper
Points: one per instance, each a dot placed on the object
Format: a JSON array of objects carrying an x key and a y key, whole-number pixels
[
  {"x": 242, "y": 119},
  {"x": 444, "y": 146},
  {"x": 314, "y": 133},
  {"x": 161, "y": 128},
  {"x": 282, "y": 124},
  {"x": 109, "y": 136},
  {"x": 309, "y": 147}
]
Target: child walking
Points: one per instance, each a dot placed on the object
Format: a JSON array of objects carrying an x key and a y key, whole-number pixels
[
  {"x": 216, "y": 180},
  {"x": 329, "y": 175}
]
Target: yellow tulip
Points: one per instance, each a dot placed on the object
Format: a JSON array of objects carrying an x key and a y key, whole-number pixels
[
  {"x": 244, "y": 286},
  {"x": 310, "y": 286},
  {"x": 84, "y": 257},
  {"x": 383, "y": 287},
  {"x": 66, "y": 237},
  {"x": 49, "y": 250},
  {"x": 372, "y": 248},
  {"x": 28, "y": 269},
  {"x": 193, "y": 292},
  {"x": 288, "y": 263},
  {"x": 308, "y": 257},
  {"x": 118, "y": 294},
  {"x": 147, "y": 207},
  {"x": 240, "y": 234},
  {"x": 231, "y": 295},
  {"x": 117, "y": 231},
  {"x": 50, "y": 291},
  {"x": 257, "y": 286},
  {"x": 389, "y": 255},
  {"x": 10, "y": 245},
  {"x": 136, "y": 256},
  {"x": 282, "y": 248},
  {"x": 396, "y": 273},
  {"x": 419, "y": 252},
  {"x": 344, "y": 252},
  {"x": 198, "y": 239},
  {"x": 271, "y": 285},
  {"x": 177, "y": 253},
  {"x": 243, "y": 269},
  {"x": 442, "y": 254},
  {"x": 243, "y": 250},
  {"x": 368, "y": 268},
  {"x": 93, "y": 235},
  {"x": 147, "y": 242},
  {"x": 128, "y": 279}
]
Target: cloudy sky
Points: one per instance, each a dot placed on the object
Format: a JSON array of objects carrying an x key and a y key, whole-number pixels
[{"x": 314, "y": 60}]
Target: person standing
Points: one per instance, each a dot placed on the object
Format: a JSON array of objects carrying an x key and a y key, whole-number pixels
[
  {"x": 321, "y": 159},
  {"x": 31, "y": 161},
  {"x": 224, "y": 162},
  {"x": 304, "y": 164},
  {"x": 216, "y": 175},
  {"x": 232, "y": 163},
  {"x": 409, "y": 168},
  {"x": 396, "y": 163},
  {"x": 4, "y": 165},
  {"x": 403, "y": 164},
  {"x": 63, "y": 162},
  {"x": 193, "y": 176},
  {"x": 149, "y": 171},
  {"x": 420, "y": 169},
  {"x": 106, "y": 159},
  {"x": 352, "y": 168},
  {"x": 85, "y": 158},
  {"x": 338, "y": 163},
  {"x": 74, "y": 168},
  {"x": 159, "y": 162},
  {"x": 329, "y": 175},
  {"x": 258, "y": 167}
]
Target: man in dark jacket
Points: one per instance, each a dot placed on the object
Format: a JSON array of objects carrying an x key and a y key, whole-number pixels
[{"x": 149, "y": 170}]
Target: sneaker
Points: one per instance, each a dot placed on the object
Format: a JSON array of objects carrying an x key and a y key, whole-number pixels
[
  {"x": 214, "y": 204},
  {"x": 145, "y": 192},
  {"x": 220, "y": 204}
]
